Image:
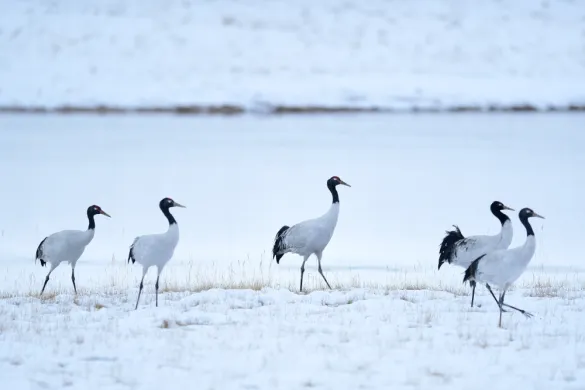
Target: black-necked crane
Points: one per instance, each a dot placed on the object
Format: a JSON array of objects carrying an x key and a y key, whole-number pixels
[
  {"x": 503, "y": 267},
  {"x": 310, "y": 236},
  {"x": 156, "y": 249},
  {"x": 459, "y": 250},
  {"x": 67, "y": 245}
]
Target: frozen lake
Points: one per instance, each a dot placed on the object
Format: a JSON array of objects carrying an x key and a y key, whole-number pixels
[{"x": 242, "y": 178}]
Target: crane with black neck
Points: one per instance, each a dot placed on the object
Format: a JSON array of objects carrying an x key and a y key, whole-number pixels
[
  {"x": 311, "y": 236},
  {"x": 459, "y": 250},
  {"x": 501, "y": 268},
  {"x": 67, "y": 245},
  {"x": 156, "y": 249}
]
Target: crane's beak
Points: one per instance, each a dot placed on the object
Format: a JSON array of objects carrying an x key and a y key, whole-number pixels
[
  {"x": 344, "y": 183},
  {"x": 104, "y": 213},
  {"x": 508, "y": 208},
  {"x": 179, "y": 205},
  {"x": 537, "y": 215}
]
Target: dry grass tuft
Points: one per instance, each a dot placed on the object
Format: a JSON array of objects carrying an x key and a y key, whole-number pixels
[
  {"x": 193, "y": 277},
  {"x": 255, "y": 285},
  {"x": 547, "y": 287},
  {"x": 241, "y": 275},
  {"x": 166, "y": 324},
  {"x": 406, "y": 298},
  {"x": 47, "y": 296}
]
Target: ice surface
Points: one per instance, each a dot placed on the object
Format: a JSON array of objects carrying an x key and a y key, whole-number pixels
[{"x": 377, "y": 53}]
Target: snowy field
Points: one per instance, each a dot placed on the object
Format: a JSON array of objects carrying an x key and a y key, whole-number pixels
[
  {"x": 256, "y": 55},
  {"x": 276, "y": 339},
  {"x": 228, "y": 316}
]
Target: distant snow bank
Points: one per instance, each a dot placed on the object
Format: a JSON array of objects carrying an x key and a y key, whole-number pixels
[{"x": 433, "y": 54}]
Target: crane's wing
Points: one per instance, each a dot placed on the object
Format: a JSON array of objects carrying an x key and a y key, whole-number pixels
[
  {"x": 143, "y": 248},
  {"x": 489, "y": 267},
  {"x": 299, "y": 236},
  {"x": 58, "y": 245},
  {"x": 472, "y": 247}
]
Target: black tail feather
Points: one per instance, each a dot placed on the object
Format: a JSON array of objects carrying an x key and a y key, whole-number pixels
[
  {"x": 131, "y": 252},
  {"x": 471, "y": 271},
  {"x": 131, "y": 256},
  {"x": 39, "y": 254},
  {"x": 279, "y": 247},
  {"x": 447, "y": 248}
]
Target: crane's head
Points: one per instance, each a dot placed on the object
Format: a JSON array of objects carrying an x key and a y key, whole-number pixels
[
  {"x": 499, "y": 206},
  {"x": 166, "y": 203},
  {"x": 95, "y": 210},
  {"x": 527, "y": 212},
  {"x": 335, "y": 181}
]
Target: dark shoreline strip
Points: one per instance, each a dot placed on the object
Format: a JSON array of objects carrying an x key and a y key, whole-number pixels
[{"x": 281, "y": 109}]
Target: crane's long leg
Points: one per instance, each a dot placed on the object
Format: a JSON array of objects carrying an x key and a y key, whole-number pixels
[
  {"x": 141, "y": 286},
  {"x": 303, "y": 271},
  {"x": 472, "y": 284},
  {"x": 527, "y": 314},
  {"x": 319, "y": 254},
  {"x": 156, "y": 289},
  {"x": 501, "y": 308},
  {"x": 53, "y": 266},
  {"x": 73, "y": 279},
  {"x": 45, "y": 284},
  {"x": 494, "y": 295}
]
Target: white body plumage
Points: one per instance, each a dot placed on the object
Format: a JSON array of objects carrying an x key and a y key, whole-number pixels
[
  {"x": 503, "y": 267},
  {"x": 66, "y": 245},
  {"x": 311, "y": 236},
  {"x": 155, "y": 249}
]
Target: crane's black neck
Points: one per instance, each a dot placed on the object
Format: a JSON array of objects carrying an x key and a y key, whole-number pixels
[
  {"x": 529, "y": 231},
  {"x": 334, "y": 193},
  {"x": 91, "y": 221},
  {"x": 168, "y": 214},
  {"x": 501, "y": 216}
]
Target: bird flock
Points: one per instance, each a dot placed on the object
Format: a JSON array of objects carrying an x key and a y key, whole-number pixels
[{"x": 486, "y": 259}]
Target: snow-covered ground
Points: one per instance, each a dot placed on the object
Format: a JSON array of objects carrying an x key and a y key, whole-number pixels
[
  {"x": 398, "y": 54},
  {"x": 392, "y": 321},
  {"x": 276, "y": 339}
]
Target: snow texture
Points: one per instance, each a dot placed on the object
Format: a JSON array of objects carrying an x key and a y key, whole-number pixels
[
  {"x": 276, "y": 339},
  {"x": 397, "y": 54}
]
